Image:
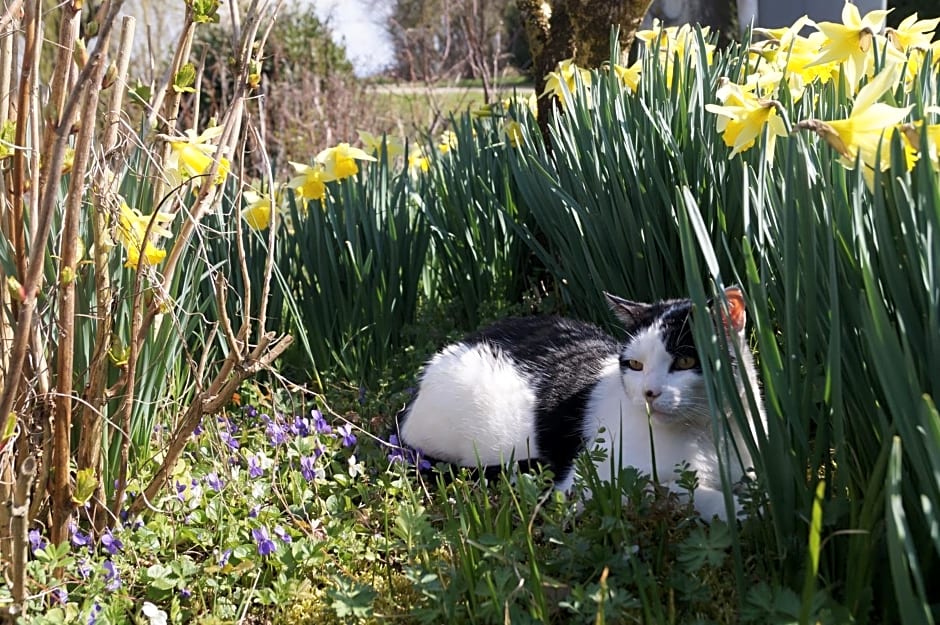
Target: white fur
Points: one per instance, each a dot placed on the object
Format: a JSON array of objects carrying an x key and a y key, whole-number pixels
[
  {"x": 675, "y": 417},
  {"x": 475, "y": 406}
]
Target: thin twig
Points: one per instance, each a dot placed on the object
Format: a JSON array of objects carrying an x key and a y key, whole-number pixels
[
  {"x": 20, "y": 522},
  {"x": 68, "y": 261},
  {"x": 208, "y": 403},
  {"x": 11, "y": 14},
  {"x": 16, "y": 225}
]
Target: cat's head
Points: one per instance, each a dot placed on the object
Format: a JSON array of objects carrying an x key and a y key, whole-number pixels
[{"x": 659, "y": 364}]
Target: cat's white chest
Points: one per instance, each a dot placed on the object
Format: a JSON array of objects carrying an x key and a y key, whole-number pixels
[{"x": 633, "y": 437}]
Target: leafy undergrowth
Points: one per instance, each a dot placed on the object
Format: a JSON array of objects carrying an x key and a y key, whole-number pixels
[{"x": 295, "y": 517}]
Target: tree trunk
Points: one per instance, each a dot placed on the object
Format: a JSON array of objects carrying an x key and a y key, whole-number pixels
[{"x": 578, "y": 29}]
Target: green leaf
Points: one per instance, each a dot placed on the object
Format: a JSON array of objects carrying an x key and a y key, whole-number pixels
[
  {"x": 140, "y": 94},
  {"x": 902, "y": 553},
  {"x": 7, "y": 136},
  {"x": 9, "y": 429},
  {"x": 161, "y": 577},
  {"x": 185, "y": 79},
  {"x": 85, "y": 485},
  {"x": 204, "y": 11},
  {"x": 701, "y": 548},
  {"x": 812, "y": 569},
  {"x": 349, "y": 598}
]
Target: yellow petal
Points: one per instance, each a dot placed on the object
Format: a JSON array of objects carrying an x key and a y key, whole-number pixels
[{"x": 876, "y": 87}]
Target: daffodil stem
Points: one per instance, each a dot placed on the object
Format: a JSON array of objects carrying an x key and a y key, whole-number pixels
[{"x": 90, "y": 417}]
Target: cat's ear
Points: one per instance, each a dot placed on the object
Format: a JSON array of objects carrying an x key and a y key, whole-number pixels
[
  {"x": 627, "y": 311},
  {"x": 736, "y": 316}
]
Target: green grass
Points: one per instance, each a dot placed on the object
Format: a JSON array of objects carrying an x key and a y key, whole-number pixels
[
  {"x": 366, "y": 539},
  {"x": 414, "y": 109}
]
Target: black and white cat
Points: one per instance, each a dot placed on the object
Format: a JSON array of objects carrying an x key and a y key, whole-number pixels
[{"x": 546, "y": 387}]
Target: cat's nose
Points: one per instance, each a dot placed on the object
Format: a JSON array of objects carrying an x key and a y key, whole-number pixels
[{"x": 651, "y": 394}]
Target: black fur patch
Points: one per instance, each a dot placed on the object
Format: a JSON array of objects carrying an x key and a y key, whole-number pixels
[{"x": 563, "y": 359}]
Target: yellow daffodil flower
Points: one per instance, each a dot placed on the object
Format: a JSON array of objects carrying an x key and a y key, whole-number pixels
[
  {"x": 130, "y": 231},
  {"x": 629, "y": 76},
  {"x": 194, "y": 156},
  {"x": 529, "y": 102},
  {"x": 860, "y": 135},
  {"x": 512, "y": 131},
  {"x": 447, "y": 141},
  {"x": 911, "y": 134},
  {"x": 913, "y": 33},
  {"x": 373, "y": 144},
  {"x": 850, "y": 43},
  {"x": 742, "y": 118},
  {"x": 69, "y": 160},
  {"x": 340, "y": 161},
  {"x": 675, "y": 43},
  {"x": 258, "y": 210},
  {"x": 933, "y": 143},
  {"x": 417, "y": 161},
  {"x": 787, "y": 54},
  {"x": 565, "y": 74},
  {"x": 310, "y": 181}
]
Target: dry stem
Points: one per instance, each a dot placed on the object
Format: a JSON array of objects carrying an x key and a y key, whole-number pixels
[
  {"x": 33, "y": 278},
  {"x": 62, "y": 449}
]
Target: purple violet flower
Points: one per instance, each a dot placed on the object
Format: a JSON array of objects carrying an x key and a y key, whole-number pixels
[
  {"x": 214, "y": 482},
  {"x": 111, "y": 575},
  {"x": 254, "y": 466},
  {"x": 79, "y": 539},
  {"x": 224, "y": 556},
  {"x": 281, "y": 533},
  {"x": 266, "y": 546},
  {"x": 229, "y": 440},
  {"x": 300, "y": 427},
  {"x": 110, "y": 542},
  {"x": 36, "y": 541},
  {"x": 345, "y": 430},
  {"x": 308, "y": 467},
  {"x": 423, "y": 463},
  {"x": 93, "y": 614},
  {"x": 319, "y": 423},
  {"x": 397, "y": 453},
  {"x": 61, "y": 595},
  {"x": 277, "y": 434}
]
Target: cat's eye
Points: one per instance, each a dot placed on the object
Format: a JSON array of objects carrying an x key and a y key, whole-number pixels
[
  {"x": 634, "y": 365},
  {"x": 683, "y": 363}
]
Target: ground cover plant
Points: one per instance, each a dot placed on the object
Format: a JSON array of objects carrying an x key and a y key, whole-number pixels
[{"x": 803, "y": 168}]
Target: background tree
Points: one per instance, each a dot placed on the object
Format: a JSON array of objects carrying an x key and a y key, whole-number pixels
[
  {"x": 578, "y": 29},
  {"x": 436, "y": 40},
  {"x": 311, "y": 97},
  {"x": 925, "y": 9}
]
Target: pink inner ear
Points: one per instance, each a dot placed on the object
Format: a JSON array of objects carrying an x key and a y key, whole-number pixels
[{"x": 736, "y": 314}]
